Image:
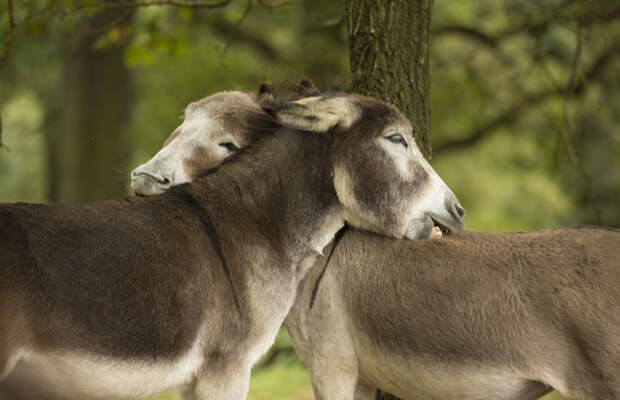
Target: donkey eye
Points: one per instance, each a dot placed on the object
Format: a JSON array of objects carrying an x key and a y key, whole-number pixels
[
  {"x": 397, "y": 138},
  {"x": 230, "y": 146}
]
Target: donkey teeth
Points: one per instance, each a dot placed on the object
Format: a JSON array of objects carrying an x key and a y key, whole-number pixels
[{"x": 436, "y": 233}]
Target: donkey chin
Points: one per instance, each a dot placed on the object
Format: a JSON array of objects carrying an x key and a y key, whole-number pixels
[
  {"x": 144, "y": 186},
  {"x": 433, "y": 226},
  {"x": 148, "y": 181}
]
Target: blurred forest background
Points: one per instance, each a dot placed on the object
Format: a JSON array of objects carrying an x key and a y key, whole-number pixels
[{"x": 525, "y": 98}]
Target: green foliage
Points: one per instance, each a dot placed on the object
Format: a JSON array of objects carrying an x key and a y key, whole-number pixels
[
  {"x": 506, "y": 190},
  {"x": 22, "y": 181},
  {"x": 285, "y": 380},
  {"x": 533, "y": 86},
  {"x": 518, "y": 59}
]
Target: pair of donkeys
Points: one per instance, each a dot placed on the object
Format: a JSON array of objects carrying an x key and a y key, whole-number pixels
[{"x": 187, "y": 289}]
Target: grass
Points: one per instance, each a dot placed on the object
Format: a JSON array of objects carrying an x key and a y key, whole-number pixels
[
  {"x": 552, "y": 396},
  {"x": 286, "y": 379}
]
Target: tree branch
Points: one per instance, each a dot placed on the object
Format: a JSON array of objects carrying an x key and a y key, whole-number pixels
[
  {"x": 530, "y": 101},
  {"x": 568, "y": 92},
  {"x": 148, "y": 3},
  {"x": 272, "y": 7},
  {"x": 9, "y": 35},
  {"x": 246, "y": 12},
  {"x": 492, "y": 40},
  {"x": 566, "y": 131},
  {"x": 224, "y": 28},
  {"x": 470, "y": 32}
]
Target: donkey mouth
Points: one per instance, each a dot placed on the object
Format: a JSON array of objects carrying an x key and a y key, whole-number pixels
[
  {"x": 439, "y": 229},
  {"x": 143, "y": 185}
]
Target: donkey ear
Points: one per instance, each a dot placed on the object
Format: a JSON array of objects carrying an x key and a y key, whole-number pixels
[
  {"x": 265, "y": 91},
  {"x": 305, "y": 87},
  {"x": 315, "y": 114}
]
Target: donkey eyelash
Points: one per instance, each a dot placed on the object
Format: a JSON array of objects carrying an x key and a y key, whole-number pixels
[
  {"x": 397, "y": 138},
  {"x": 230, "y": 146}
]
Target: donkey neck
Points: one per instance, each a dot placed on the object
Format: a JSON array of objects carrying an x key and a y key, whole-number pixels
[{"x": 284, "y": 186}]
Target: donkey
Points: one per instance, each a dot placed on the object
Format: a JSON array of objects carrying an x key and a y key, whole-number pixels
[
  {"x": 470, "y": 316},
  {"x": 187, "y": 289},
  {"x": 213, "y": 129}
]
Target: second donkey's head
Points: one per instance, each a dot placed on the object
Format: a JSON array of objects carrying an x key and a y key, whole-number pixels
[{"x": 213, "y": 129}]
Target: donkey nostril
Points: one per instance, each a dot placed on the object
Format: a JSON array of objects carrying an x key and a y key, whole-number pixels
[
  {"x": 160, "y": 180},
  {"x": 459, "y": 210}
]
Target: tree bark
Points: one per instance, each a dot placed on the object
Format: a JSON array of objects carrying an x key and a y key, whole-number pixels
[
  {"x": 89, "y": 149},
  {"x": 389, "y": 50}
]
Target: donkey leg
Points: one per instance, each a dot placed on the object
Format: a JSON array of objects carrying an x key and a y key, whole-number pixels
[
  {"x": 333, "y": 384},
  {"x": 590, "y": 391},
  {"x": 4, "y": 365},
  {"x": 4, "y": 357},
  {"x": 365, "y": 392},
  {"x": 230, "y": 382},
  {"x": 595, "y": 373},
  {"x": 5, "y": 394},
  {"x": 8, "y": 360},
  {"x": 12, "y": 336},
  {"x": 7, "y": 363},
  {"x": 608, "y": 362},
  {"x": 589, "y": 382}
]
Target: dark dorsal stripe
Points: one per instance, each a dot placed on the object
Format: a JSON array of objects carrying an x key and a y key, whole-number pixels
[
  {"x": 337, "y": 239},
  {"x": 200, "y": 213}
]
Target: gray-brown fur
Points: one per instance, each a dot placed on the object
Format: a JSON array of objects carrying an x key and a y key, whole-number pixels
[
  {"x": 471, "y": 316},
  {"x": 233, "y": 120},
  {"x": 370, "y": 185},
  {"x": 539, "y": 309},
  {"x": 134, "y": 280},
  {"x": 95, "y": 276},
  {"x": 243, "y": 116}
]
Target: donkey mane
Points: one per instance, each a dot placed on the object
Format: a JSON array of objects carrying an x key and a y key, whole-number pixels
[
  {"x": 202, "y": 216},
  {"x": 596, "y": 227}
]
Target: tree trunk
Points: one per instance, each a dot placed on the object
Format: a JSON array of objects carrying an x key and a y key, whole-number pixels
[
  {"x": 389, "y": 51},
  {"x": 89, "y": 149}
]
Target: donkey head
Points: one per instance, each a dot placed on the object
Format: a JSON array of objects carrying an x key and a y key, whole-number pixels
[
  {"x": 218, "y": 125},
  {"x": 379, "y": 175},
  {"x": 213, "y": 128}
]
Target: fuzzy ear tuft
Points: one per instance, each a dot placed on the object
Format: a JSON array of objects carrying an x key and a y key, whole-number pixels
[
  {"x": 274, "y": 106},
  {"x": 265, "y": 91},
  {"x": 315, "y": 114},
  {"x": 305, "y": 87}
]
